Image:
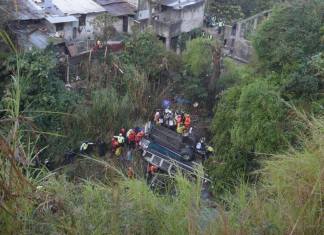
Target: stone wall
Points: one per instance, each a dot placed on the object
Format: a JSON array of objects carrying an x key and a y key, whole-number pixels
[{"x": 238, "y": 36}]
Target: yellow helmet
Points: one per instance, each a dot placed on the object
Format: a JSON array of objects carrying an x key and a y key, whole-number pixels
[{"x": 210, "y": 149}]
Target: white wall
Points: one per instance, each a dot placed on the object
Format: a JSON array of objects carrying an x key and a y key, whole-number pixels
[
  {"x": 68, "y": 30},
  {"x": 89, "y": 30},
  {"x": 118, "y": 24}
]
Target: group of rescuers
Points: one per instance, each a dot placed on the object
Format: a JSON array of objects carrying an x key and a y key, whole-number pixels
[
  {"x": 131, "y": 138},
  {"x": 181, "y": 123},
  {"x": 177, "y": 121}
]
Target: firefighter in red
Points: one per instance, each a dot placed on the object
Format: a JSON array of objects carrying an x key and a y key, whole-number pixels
[
  {"x": 151, "y": 169},
  {"x": 187, "y": 121},
  {"x": 114, "y": 145},
  {"x": 131, "y": 135},
  {"x": 139, "y": 137}
]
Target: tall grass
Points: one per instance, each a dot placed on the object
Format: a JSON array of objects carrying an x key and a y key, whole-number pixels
[
  {"x": 18, "y": 175},
  {"x": 13, "y": 184},
  {"x": 289, "y": 199},
  {"x": 128, "y": 207}
]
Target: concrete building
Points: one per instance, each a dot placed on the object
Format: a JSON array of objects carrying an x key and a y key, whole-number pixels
[
  {"x": 73, "y": 19},
  {"x": 170, "y": 18},
  {"x": 237, "y": 38},
  {"x": 123, "y": 14},
  {"x": 40, "y": 22}
]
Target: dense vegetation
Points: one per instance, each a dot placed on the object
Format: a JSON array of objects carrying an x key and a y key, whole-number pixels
[
  {"x": 267, "y": 130},
  {"x": 231, "y": 10},
  {"x": 255, "y": 116}
]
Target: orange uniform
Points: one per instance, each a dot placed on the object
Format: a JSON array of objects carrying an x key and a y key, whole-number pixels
[{"x": 139, "y": 136}]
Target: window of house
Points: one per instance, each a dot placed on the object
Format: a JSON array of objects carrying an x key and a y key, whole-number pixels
[
  {"x": 164, "y": 8},
  {"x": 59, "y": 26},
  {"x": 82, "y": 20}
]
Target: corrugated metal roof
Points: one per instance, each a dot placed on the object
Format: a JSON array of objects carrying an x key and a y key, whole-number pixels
[
  {"x": 26, "y": 11},
  {"x": 179, "y": 4},
  {"x": 106, "y": 2},
  {"x": 78, "y": 6},
  {"x": 61, "y": 19},
  {"x": 117, "y": 7},
  {"x": 120, "y": 9}
]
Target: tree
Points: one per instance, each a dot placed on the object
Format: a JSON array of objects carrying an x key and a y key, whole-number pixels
[
  {"x": 198, "y": 56},
  {"x": 290, "y": 37},
  {"x": 202, "y": 62},
  {"x": 44, "y": 97},
  {"x": 250, "y": 119},
  {"x": 146, "y": 52},
  {"x": 260, "y": 124},
  {"x": 104, "y": 26},
  {"x": 230, "y": 10}
]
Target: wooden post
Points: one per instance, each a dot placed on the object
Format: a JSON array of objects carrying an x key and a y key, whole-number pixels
[
  {"x": 89, "y": 66},
  {"x": 67, "y": 70},
  {"x": 106, "y": 51},
  {"x": 150, "y": 3},
  {"x": 106, "y": 66}
]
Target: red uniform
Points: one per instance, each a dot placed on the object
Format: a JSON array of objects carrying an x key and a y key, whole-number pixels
[
  {"x": 151, "y": 169},
  {"x": 138, "y": 137},
  {"x": 114, "y": 144},
  {"x": 179, "y": 119},
  {"x": 187, "y": 122}
]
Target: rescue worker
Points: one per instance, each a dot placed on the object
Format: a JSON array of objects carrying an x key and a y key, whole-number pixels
[
  {"x": 129, "y": 156},
  {"x": 180, "y": 128},
  {"x": 123, "y": 132},
  {"x": 157, "y": 117},
  {"x": 114, "y": 145},
  {"x": 101, "y": 147},
  {"x": 85, "y": 147},
  {"x": 131, "y": 138},
  {"x": 187, "y": 121},
  {"x": 150, "y": 171},
  {"x": 120, "y": 139},
  {"x": 167, "y": 117},
  {"x": 161, "y": 120},
  {"x": 130, "y": 172},
  {"x": 139, "y": 137},
  {"x": 171, "y": 123},
  {"x": 182, "y": 117},
  {"x": 210, "y": 151},
  {"x": 178, "y": 119},
  {"x": 200, "y": 146},
  {"x": 119, "y": 151}
]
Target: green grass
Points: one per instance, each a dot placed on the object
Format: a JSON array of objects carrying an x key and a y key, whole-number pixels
[{"x": 289, "y": 198}]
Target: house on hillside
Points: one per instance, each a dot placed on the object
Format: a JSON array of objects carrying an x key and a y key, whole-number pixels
[
  {"x": 171, "y": 18},
  {"x": 40, "y": 22},
  {"x": 123, "y": 13},
  {"x": 37, "y": 23},
  {"x": 73, "y": 19}
]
